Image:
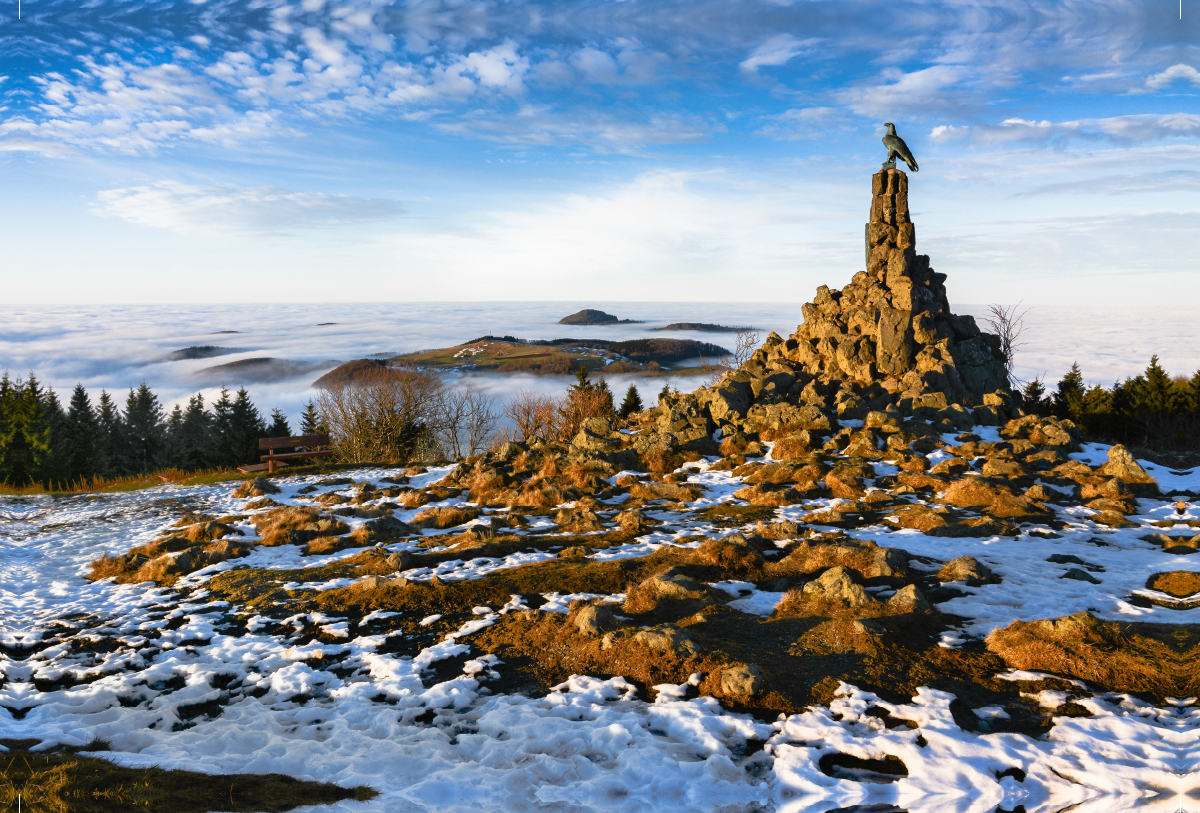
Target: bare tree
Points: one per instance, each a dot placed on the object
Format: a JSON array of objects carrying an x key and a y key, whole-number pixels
[
  {"x": 469, "y": 420},
  {"x": 1008, "y": 323},
  {"x": 745, "y": 342},
  {"x": 390, "y": 415},
  {"x": 532, "y": 415}
]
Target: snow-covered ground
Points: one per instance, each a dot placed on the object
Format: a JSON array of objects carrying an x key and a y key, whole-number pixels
[{"x": 360, "y": 716}]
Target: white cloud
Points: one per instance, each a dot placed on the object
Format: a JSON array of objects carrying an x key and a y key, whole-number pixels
[
  {"x": 778, "y": 50},
  {"x": 1173, "y": 74},
  {"x": 939, "y": 88},
  {"x": 1125, "y": 129},
  {"x": 191, "y": 209},
  {"x": 540, "y": 125},
  {"x": 500, "y": 67},
  {"x": 805, "y": 122}
]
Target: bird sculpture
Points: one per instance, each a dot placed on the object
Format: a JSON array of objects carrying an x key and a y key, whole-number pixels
[{"x": 897, "y": 149}]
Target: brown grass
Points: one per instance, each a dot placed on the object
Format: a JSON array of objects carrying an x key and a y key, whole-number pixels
[
  {"x": 1178, "y": 583},
  {"x": 1156, "y": 660}
]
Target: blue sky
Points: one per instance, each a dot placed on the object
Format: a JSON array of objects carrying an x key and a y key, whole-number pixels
[{"x": 367, "y": 150}]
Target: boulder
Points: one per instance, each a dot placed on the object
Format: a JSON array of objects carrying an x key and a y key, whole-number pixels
[
  {"x": 400, "y": 560},
  {"x": 741, "y": 680},
  {"x": 1076, "y": 574},
  {"x": 836, "y": 585},
  {"x": 909, "y": 599},
  {"x": 1123, "y": 465},
  {"x": 668, "y": 638},
  {"x": 594, "y": 620},
  {"x": 967, "y": 569},
  {"x": 384, "y": 529}
]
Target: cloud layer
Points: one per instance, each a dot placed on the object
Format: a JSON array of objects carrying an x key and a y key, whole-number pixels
[{"x": 191, "y": 209}]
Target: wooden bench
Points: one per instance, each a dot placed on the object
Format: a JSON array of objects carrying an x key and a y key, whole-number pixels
[{"x": 314, "y": 446}]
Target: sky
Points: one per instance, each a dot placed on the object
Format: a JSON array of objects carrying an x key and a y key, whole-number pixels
[{"x": 267, "y": 151}]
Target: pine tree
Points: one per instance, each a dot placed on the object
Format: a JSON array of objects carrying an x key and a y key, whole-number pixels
[
  {"x": 82, "y": 437},
  {"x": 172, "y": 454},
  {"x": 54, "y": 467},
  {"x": 632, "y": 402},
  {"x": 1193, "y": 392},
  {"x": 1153, "y": 391},
  {"x": 1034, "y": 396},
  {"x": 144, "y": 430},
  {"x": 279, "y": 425},
  {"x": 1068, "y": 400},
  {"x": 224, "y": 449},
  {"x": 7, "y": 409},
  {"x": 581, "y": 380},
  {"x": 196, "y": 441},
  {"x": 26, "y": 440},
  {"x": 606, "y": 396},
  {"x": 110, "y": 446},
  {"x": 311, "y": 422},
  {"x": 247, "y": 427}
]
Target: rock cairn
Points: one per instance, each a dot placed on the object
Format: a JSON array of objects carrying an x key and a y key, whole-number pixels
[{"x": 886, "y": 342}]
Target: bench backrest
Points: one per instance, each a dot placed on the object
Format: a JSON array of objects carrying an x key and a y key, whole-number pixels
[{"x": 299, "y": 440}]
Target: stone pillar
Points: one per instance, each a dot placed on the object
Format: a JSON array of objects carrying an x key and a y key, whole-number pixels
[
  {"x": 891, "y": 250},
  {"x": 890, "y": 233}
]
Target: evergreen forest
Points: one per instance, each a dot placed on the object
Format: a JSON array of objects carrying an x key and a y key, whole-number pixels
[{"x": 45, "y": 441}]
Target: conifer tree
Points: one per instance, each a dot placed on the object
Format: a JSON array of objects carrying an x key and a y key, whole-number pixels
[
  {"x": 110, "y": 446},
  {"x": 1193, "y": 393},
  {"x": 224, "y": 448},
  {"x": 1034, "y": 397},
  {"x": 196, "y": 439},
  {"x": 7, "y": 406},
  {"x": 606, "y": 395},
  {"x": 144, "y": 430},
  {"x": 1068, "y": 400},
  {"x": 632, "y": 402},
  {"x": 248, "y": 427},
  {"x": 82, "y": 437},
  {"x": 1153, "y": 391},
  {"x": 311, "y": 422},
  {"x": 172, "y": 456},
  {"x": 279, "y": 425},
  {"x": 26, "y": 441},
  {"x": 53, "y": 469}
]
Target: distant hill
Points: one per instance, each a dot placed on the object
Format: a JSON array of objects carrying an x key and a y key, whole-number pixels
[
  {"x": 205, "y": 351},
  {"x": 701, "y": 326},
  {"x": 350, "y": 372},
  {"x": 509, "y": 354},
  {"x": 591, "y": 316},
  {"x": 259, "y": 370}
]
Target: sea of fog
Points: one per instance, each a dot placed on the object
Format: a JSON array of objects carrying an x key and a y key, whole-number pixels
[{"x": 114, "y": 347}]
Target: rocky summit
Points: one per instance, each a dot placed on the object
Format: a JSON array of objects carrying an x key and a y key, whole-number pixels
[{"x": 887, "y": 342}]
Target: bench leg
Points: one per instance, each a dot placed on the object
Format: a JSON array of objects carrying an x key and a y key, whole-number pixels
[{"x": 270, "y": 466}]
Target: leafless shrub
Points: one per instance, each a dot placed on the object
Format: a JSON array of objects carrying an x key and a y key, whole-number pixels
[
  {"x": 745, "y": 342},
  {"x": 389, "y": 416},
  {"x": 1007, "y": 323},
  {"x": 468, "y": 421},
  {"x": 532, "y": 415}
]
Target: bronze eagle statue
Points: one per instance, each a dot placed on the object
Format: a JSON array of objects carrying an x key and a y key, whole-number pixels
[{"x": 897, "y": 148}]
